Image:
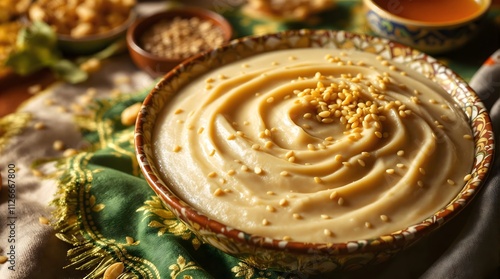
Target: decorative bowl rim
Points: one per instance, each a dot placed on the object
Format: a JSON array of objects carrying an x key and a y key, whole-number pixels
[{"x": 398, "y": 239}]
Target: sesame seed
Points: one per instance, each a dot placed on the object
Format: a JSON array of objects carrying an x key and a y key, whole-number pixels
[
  {"x": 58, "y": 145},
  {"x": 346, "y": 164},
  {"x": 287, "y": 238},
  {"x": 270, "y": 100},
  {"x": 361, "y": 162},
  {"x": 270, "y": 193},
  {"x": 333, "y": 195},
  {"x": 40, "y": 126},
  {"x": 467, "y": 177},
  {"x": 255, "y": 147},
  {"x": 265, "y": 222},
  {"x": 451, "y": 182},
  {"x": 400, "y": 153},
  {"x": 390, "y": 171},
  {"x": 212, "y": 174},
  {"x": 340, "y": 201},
  {"x": 401, "y": 166},
  {"x": 422, "y": 171},
  {"x": 246, "y": 123},
  {"x": 268, "y": 144},
  {"x": 338, "y": 157},
  {"x": 291, "y": 159},
  {"x": 240, "y": 134},
  {"x": 231, "y": 137},
  {"x": 368, "y": 225},
  {"x": 297, "y": 216},
  {"x": 222, "y": 181},
  {"x": 384, "y": 218},
  {"x": 327, "y": 232},
  {"x": 283, "y": 202},
  {"x": 289, "y": 154},
  {"x": 130, "y": 240},
  {"x": 420, "y": 183},
  {"x": 231, "y": 172},
  {"x": 445, "y": 118},
  {"x": 324, "y": 216},
  {"x": 365, "y": 154},
  {"x": 176, "y": 148},
  {"x": 43, "y": 220},
  {"x": 284, "y": 173},
  {"x": 270, "y": 208},
  {"x": 311, "y": 147},
  {"x": 244, "y": 168},
  {"x": 178, "y": 111},
  {"x": 212, "y": 152},
  {"x": 468, "y": 137},
  {"x": 433, "y": 101},
  {"x": 318, "y": 180},
  {"x": 218, "y": 192},
  {"x": 208, "y": 86}
]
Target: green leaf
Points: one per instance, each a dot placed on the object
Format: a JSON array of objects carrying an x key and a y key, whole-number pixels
[
  {"x": 36, "y": 48},
  {"x": 37, "y": 34},
  {"x": 69, "y": 71},
  {"x": 24, "y": 62}
]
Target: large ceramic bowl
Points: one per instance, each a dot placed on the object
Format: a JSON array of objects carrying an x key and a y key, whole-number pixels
[
  {"x": 429, "y": 37},
  {"x": 263, "y": 252}
]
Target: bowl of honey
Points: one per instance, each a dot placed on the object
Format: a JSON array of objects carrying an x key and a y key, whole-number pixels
[{"x": 430, "y": 26}]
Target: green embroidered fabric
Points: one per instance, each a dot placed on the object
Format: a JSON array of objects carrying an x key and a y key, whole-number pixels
[{"x": 108, "y": 212}]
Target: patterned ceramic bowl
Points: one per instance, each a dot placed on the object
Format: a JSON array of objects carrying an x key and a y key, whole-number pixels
[
  {"x": 429, "y": 37},
  {"x": 263, "y": 252}
]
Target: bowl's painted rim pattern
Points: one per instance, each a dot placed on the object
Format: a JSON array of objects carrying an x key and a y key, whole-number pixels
[{"x": 427, "y": 65}]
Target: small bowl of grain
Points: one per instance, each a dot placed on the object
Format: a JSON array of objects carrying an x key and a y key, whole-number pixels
[
  {"x": 85, "y": 27},
  {"x": 159, "y": 42}
]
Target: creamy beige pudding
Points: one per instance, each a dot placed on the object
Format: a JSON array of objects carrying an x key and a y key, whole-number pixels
[{"x": 314, "y": 145}]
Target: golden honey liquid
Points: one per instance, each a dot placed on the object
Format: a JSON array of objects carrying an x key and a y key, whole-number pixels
[{"x": 431, "y": 10}]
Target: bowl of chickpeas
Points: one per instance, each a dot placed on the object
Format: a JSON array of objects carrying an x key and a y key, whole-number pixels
[
  {"x": 159, "y": 42},
  {"x": 85, "y": 26}
]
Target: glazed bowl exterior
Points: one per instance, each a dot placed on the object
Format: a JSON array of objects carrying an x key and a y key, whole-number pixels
[
  {"x": 158, "y": 66},
  {"x": 264, "y": 252},
  {"x": 432, "y": 38}
]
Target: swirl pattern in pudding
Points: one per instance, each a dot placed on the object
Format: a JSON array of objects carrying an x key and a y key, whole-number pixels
[{"x": 314, "y": 145}]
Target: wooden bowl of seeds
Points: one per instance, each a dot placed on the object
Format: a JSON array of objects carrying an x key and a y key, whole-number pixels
[{"x": 161, "y": 41}]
